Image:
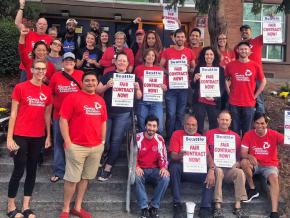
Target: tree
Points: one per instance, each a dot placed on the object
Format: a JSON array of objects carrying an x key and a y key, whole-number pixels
[{"x": 216, "y": 19}]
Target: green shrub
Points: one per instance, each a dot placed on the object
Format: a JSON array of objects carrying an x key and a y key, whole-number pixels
[{"x": 9, "y": 58}]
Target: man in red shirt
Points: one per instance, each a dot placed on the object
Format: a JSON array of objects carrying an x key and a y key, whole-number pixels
[
  {"x": 242, "y": 75},
  {"x": 177, "y": 175},
  {"x": 259, "y": 155},
  {"x": 194, "y": 41},
  {"x": 229, "y": 175},
  {"x": 176, "y": 98},
  {"x": 83, "y": 118},
  {"x": 151, "y": 167},
  {"x": 33, "y": 36}
]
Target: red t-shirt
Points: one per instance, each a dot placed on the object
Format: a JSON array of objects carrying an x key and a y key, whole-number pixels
[
  {"x": 33, "y": 37},
  {"x": 227, "y": 56},
  {"x": 32, "y": 101},
  {"x": 139, "y": 72},
  {"x": 265, "y": 148},
  {"x": 85, "y": 114},
  {"x": 151, "y": 152},
  {"x": 27, "y": 63},
  {"x": 243, "y": 82},
  {"x": 210, "y": 140},
  {"x": 62, "y": 87},
  {"x": 196, "y": 51},
  {"x": 108, "y": 56},
  {"x": 176, "y": 141}
]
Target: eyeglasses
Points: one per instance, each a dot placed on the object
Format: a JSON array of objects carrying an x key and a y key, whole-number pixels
[
  {"x": 57, "y": 44},
  {"x": 39, "y": 69}
]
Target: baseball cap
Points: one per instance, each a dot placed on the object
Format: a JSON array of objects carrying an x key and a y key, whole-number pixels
[
  {"x": 69, "y": 55},
  {"x": 71, "y": 20},
  {"x": 245, "y": 26},
  {"x": 140, "y": 32}
]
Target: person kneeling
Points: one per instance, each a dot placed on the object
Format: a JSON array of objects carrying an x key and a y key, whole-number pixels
[{"x": 151, "y": 167}]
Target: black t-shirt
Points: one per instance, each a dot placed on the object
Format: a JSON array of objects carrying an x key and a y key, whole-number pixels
[
  {"x": 95, "y": 54},
  {"x": 108, "y": 95}
]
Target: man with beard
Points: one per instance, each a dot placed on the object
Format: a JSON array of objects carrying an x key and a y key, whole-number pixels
[
  {"x": 151, "y": 166},
  {"x": 243, "y": 74},
  {"x": 194, "y": 41},
  {"x": 70, "y": 39},
  {"x": 95, "y": 28},
  {"x": 176, "y": 98}
]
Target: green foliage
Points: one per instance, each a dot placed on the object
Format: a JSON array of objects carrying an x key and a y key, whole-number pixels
[{"x": 9, "y": 58}]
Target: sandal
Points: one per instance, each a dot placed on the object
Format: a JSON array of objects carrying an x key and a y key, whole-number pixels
[
  {"x": 82, "y": 213},
  {"x": 13, "y": 213},
  {"x": 26, "y": 213},
  {"x": 54, "y": 179}
]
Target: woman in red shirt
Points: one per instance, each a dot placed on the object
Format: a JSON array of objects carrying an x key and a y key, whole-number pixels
[
  {"x": 39, "y": 52},
  {"x": 28, "y": 132}
]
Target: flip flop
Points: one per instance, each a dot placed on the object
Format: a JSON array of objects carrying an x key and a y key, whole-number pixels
[
  {"x": 54, "y": 179},
  {"x": 13, "y": 213},
  {"x": 26, "y": 213}
]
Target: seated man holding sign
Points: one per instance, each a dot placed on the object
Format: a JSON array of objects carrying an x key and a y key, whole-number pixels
[
  {"x": 224, "y": 146},
  {"x": 191, "y": 161},
  {"x": 259, "y": 155}
]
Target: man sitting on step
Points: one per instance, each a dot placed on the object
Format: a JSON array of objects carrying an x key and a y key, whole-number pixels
[
  {"x": 151, "y": 166},
  {"x": 227, "y": 169},
  {"x": 177, "y": 173}
]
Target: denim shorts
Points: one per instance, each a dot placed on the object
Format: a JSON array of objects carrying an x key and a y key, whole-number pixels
[{"x": 266, "y": 171}]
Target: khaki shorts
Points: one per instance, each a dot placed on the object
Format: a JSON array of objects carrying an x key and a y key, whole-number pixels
[{"x": 82, "y": 162}]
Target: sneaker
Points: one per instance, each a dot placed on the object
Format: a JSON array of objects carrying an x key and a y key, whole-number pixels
[
  {"x": 240, "y": 213},
  {"x": 218, "y": 213},
  {"x": 105, "y": 175},
  {"x": 177, "y": 210},
  {"x": 274, "y": 215},
  {"x": 145, "y": 213},
  {"x": 153, "y": 212},
  {"x": 252, "y": 193},
  {"x": 205, "y": 212}
]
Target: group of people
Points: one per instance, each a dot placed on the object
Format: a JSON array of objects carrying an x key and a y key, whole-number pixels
[{"x": 70, "y": 79}]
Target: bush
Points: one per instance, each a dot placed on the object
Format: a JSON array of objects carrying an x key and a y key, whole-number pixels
[{"x": 9, "y": 58}]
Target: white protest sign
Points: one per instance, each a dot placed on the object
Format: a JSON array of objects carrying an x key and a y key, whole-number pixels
[
  {"x": 194, "y": 158},
  {"x": 224, "y": 150},
  {"x": 123, "y": 90},
  {"x": 170, "y": 18},
  {"x": 152, "y": 85},
  {"x": 272, "y": 29},
  {"x": 209, "y": 82},
  {"x": 178, "y": 73},
  {"x": 287, "y": 128}
]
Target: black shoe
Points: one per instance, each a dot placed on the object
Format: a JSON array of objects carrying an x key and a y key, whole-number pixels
[
  {"x": 274, "y": 215},
  {"x": 218, "y": 213},
  {"x": 153, "y": 212},
  {"x": 105, "y": 175},
  {"x": 205, "y": 212},
  {"x": 145, "y": 213},
  {"x": 240, "y": 213},
  {"x": 252, "y": 193},
  {"x": 177, "y": 210}
]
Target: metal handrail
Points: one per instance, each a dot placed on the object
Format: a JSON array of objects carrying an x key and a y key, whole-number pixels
[{"x": 132, "y": 153}]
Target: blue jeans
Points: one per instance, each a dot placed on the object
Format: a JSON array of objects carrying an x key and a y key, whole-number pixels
[
  {"x": 117, "y": 125},
  {"x": 242, "y": 118},
  {"x": 177, "y": 175},
  {"x": 145, "y": 108},
  {"x": 160, "y": 183},
  {"x": 176, "y": 100},
  {"x": 23, "y": 76},
  {"x": 260, "y": 104},
  {"x": 58, "y": 157}
]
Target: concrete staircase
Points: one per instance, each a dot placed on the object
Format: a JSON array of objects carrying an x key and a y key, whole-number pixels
[{"x": 107, "y": 199}]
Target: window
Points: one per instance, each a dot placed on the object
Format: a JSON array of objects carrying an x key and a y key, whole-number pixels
[{"x": 271, "y": 52}]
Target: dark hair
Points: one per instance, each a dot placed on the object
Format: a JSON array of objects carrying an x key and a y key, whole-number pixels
[
  {"x": 195, "y": 30},
  {"x": 244, "y": 43},
  {"x": 179, "y": 31},
  {"x": 35, "y": 47},
  {"x": 201, "y": 57},
  {"x": 61, "y": 52},
  {"x": 122, "y": 53},
  {"x": 150, "y": 118},
  {"x": 259, "y": 115},
  {"x": 146, "y": 52},
  {"x": 158, "y": 44},
  {"x": 89, "y": 73}
]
